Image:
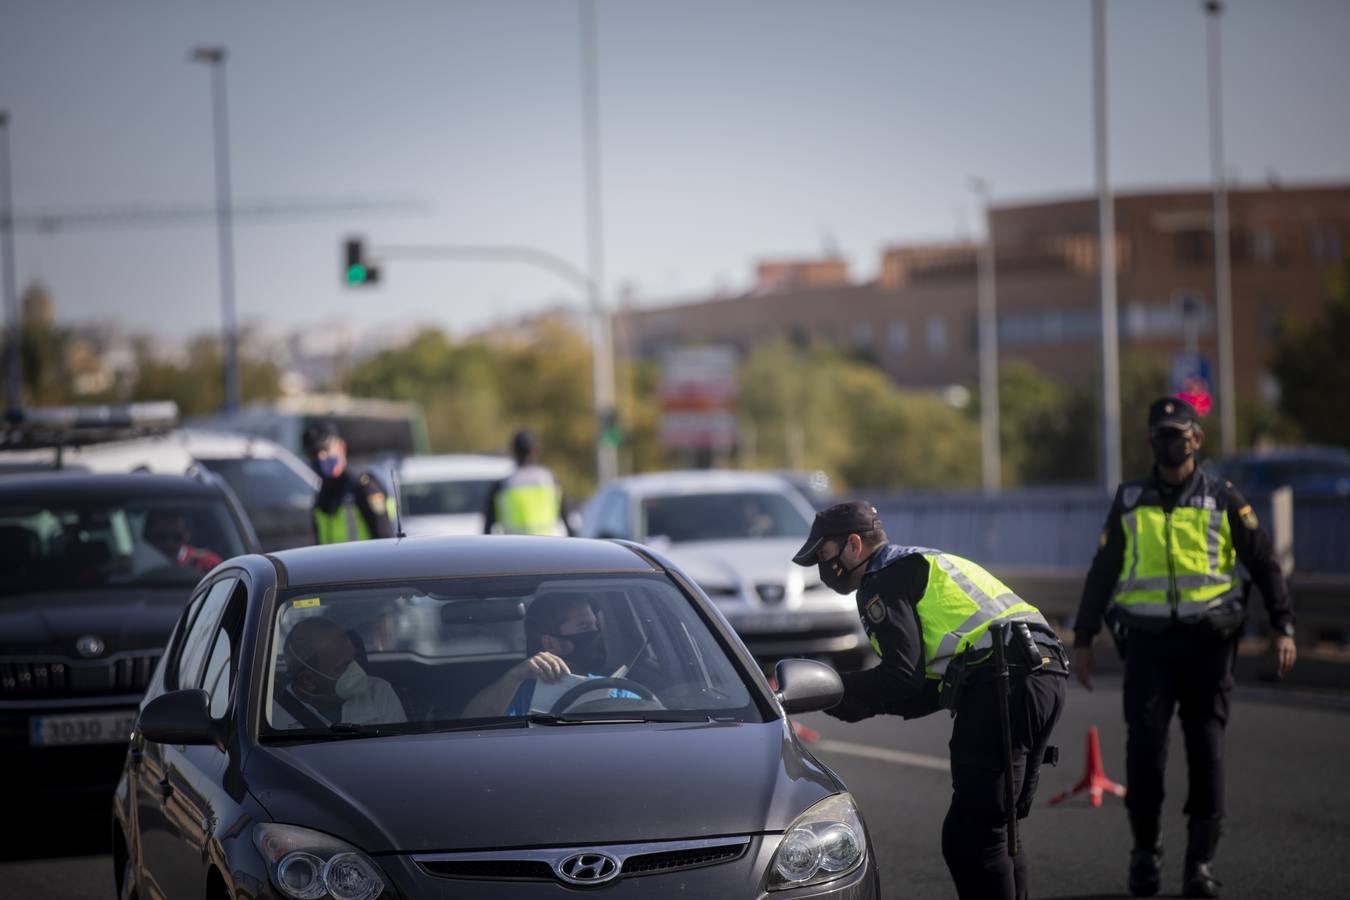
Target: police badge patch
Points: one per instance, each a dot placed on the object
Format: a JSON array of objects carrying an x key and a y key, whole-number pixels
[
  {"x": 1248, "y": 517},
  {"x": 875, "y": 610}
]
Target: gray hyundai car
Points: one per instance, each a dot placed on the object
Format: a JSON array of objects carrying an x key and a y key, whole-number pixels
[{"x": 514, "y": 717}]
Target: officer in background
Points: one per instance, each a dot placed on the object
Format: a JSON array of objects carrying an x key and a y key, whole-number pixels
[
  {"x": 529, "y": 500},
  {"x": 928, "y": 616},
  {"x": 1164, "y": 576},
  {"x": 349, "y": 506}
]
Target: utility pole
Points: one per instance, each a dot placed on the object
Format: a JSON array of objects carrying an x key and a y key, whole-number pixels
[
  {"x": 215, "y": 58},
  {"x": 14, "y": 393},
  {"x": 1223, "y": 290},
  {"x": 1106, "y": 259},
  {"x": 602, "y": 367},
  {"x": 991, "y": 458}
]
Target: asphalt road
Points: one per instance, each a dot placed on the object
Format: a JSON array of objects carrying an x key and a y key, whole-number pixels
[{"x": 1288, "y": 832}]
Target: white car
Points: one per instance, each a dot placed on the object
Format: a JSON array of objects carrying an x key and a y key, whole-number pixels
[
  {"x": 448, "y": 494},
  {"x": 735, "y": 533}
]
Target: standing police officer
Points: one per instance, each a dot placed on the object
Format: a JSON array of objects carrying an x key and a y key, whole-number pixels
[
  {"x": 529, "y": 500},
  {"x": 1164, "y": 576},
  {"x": 349, "y": 506},
  {"x": 928, "y": 615}
]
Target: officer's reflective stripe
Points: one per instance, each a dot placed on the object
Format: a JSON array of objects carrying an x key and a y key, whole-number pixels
[
  {"x": 529, "y": 502},
  {"x": 972, "y": 633},
  {"x": 1162, "y": 582},
  {"x": 342, "y": 525},
  {"x": 349, "y": 518},
  {"x": 1187, "y": 610},
  {"x": 1130, "y": 522},
  {"x": 1215, "y": 537}
]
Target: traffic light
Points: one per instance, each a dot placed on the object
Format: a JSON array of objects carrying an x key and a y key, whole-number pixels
[
  {"x": 611, "y": 434},
  {"x": 358, "y": 270}
]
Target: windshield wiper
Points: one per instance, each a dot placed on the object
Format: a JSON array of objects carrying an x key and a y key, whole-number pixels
[
  {"x": 602, "y": 719},
  {"x": 336, "y": 732}
]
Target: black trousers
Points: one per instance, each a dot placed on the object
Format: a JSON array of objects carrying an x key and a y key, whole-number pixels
[
  {"x": 1190, "y": 669},
  {"x": 974, "y": 839}
]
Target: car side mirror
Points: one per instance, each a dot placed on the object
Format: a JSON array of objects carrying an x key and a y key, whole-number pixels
[
  {"x": 179, "y": 717},
  {"x": 805, "y": 685}
]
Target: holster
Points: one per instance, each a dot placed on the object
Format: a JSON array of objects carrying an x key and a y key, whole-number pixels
[
  {"x": 953, "y": 683},
  {"x": 1226, "y": 615}
]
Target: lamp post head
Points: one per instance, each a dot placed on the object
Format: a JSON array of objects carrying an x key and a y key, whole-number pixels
[{"x": 212, "y": 55}]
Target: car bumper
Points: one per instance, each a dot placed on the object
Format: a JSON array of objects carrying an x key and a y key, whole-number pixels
[{"x": 743, "y": 877}]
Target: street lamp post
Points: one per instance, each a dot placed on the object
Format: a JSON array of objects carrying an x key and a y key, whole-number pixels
[
  {"x": 1223, "y": 291},
  {"x": 991, "y": 467},
  {"x": 602, "y": 342},
  {"x": 14, "y": 393},
  {"x": 1106, "y": 259},
  {"x": 215, "y": 58}
]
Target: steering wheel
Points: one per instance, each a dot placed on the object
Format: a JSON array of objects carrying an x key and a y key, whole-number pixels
[{"x": 600, "y": 684}]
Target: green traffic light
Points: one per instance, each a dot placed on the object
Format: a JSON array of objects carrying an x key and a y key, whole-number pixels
[{"x": 356, "y": 274}]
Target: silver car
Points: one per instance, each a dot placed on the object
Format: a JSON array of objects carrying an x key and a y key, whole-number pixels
[{"x": 735, "y": 533}]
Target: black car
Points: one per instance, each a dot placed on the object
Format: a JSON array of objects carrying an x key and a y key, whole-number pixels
[
  {"x": 97, "y": 568},
  {"x": 359, "y": 721}
]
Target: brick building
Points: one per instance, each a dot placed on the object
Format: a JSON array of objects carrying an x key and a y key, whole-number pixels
[{"x": 917, "y": 318}]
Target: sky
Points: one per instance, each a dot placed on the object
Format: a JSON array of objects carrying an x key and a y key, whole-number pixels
[{"x": 730, "y": 131}]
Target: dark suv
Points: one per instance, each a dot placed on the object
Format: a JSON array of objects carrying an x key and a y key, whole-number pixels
[{"x": 96, "y": 570}]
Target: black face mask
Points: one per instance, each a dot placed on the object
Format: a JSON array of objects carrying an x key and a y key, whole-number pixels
[
  {"x": 1170, "y": 449},
  {"x": 835, "y": 575},
  {"x": 588, "y": 652}
]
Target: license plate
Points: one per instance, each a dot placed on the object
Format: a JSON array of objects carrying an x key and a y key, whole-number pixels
[
  {"x": 88, "y": 728},
  {"x": 772, "y": 622}
]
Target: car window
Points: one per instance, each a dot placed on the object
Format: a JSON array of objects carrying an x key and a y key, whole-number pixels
[
  {"x": 704, "y": 517},
  {"x": 93, "y": 543},
  {"x": 197, "y": 641},
  {"x": 218, "y": 677},
  {"x": 263, "y": 482},
  {"x": 426, "y": 655},
  {"x": 445, "y": 498},
  {"x": 611, "y": 515}
]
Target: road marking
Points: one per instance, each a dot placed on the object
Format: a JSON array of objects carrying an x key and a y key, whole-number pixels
[{"x": 899, "y": 757}]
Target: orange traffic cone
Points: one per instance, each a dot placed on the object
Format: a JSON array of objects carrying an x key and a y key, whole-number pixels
[{"x": 1094, "y": 781}]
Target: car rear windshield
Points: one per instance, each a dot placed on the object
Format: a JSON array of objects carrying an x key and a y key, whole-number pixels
[
  {"x": 428, "y": 656},
  {"x": 445, "y": 498},
  {"x": 263, "y": 482},
  {"x": 162, "y": 541},
  {"x": 707, "y": 517}
]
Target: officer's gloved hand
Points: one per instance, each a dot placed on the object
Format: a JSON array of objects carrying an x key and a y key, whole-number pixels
[{"x": 851, "y": 711}]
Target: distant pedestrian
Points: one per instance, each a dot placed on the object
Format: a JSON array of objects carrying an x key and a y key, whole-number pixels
[
  {"x": 1165, "y": 578},
  {"x": 930, "y": 617},
  {"x": 529, "y": 500},
  {"x": 350, "y": 506}
]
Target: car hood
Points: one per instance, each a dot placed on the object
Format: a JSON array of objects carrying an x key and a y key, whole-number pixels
[
  {"x": 542, "y": 786},
  {"x": 124, "y": 619}
]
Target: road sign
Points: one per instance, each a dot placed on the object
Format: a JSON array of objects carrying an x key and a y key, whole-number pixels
[
  {"x": 698, "y": 397},
  {"x": 1190, "y": 380}
]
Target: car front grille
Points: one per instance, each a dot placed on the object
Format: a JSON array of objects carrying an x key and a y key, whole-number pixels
[
  {"x": 542, "y": 865},
  {"x": 22, "y": 679}
]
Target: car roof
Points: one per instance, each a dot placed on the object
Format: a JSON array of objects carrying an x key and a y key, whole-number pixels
[
  {"x": 454, "y": 466},
  {"x": 394, "y": 559},
  {"x": 227, "y": 444},
  {"x": 65, "y": 486},
  {"x": 705, "y": 481}
]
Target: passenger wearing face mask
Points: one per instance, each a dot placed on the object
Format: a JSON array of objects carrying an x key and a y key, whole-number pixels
[
  {"x": 349, "y": 506},
  {"x": 327, "y": 684},
  {"x": 563, "y": 637},
  {"x": 928, "y": 616},
  {"x": 1165, "y": 577}
]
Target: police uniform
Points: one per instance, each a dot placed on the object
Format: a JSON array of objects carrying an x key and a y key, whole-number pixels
[
  {"x": 351, "y": 507},
  {"x": 928, "y": 615},
  {"x": 1165, "y": 577},
  {"x": 529, "y": 501}
]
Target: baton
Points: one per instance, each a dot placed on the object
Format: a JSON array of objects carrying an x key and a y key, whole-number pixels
[{"x": 997, "y": 630}]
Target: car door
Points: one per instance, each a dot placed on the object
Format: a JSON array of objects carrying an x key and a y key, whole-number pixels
[{"x": 169, "y": 813}]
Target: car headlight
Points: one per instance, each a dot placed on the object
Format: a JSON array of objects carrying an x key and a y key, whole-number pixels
[
  {"x": 825, "y": 842},
  {"x": 307, "y": 865}
]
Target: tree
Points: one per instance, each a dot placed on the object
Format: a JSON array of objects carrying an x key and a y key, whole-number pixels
[
  {"x": 198, "y": 384},
  {"x": 1312, "y": 363}
]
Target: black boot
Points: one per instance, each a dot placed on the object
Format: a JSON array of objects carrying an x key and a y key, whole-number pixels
[
  {"x": 1202, "y": 840},
  {"x": 1145, "y": 870}
]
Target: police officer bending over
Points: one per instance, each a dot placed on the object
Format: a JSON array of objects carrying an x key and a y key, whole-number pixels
[
  {"x": 928, "y": 615},
  {"x": 349, "y": 506},
  {"x": 1164, "y": 575}
]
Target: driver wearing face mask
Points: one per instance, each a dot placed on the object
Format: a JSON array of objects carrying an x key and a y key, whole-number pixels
[
  {"x": 563, "y": 637},
  {"x": 328, "y": 685}
]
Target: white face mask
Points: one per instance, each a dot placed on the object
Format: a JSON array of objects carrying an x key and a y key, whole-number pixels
[{"x": 352, "y": 682}]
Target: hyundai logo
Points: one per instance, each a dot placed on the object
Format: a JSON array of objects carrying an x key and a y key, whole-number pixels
[
  {"x": 588, "y": 868},
  {"x": 89, "y": 646}
]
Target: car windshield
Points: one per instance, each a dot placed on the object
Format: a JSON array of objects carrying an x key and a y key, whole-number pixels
[
  {"x": 507, "y": 651},
  {"x": 445, "y": 498},
  {"x": 114, "y": 543},
  {"x": 729, "y": 516},
  {"x": 262, "y": 483}
]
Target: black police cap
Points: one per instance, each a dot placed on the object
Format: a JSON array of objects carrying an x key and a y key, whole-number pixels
[
  {"x": 317, "y": 436},
  {"x": 853, "y": 517},
  {"x": 1171, "y": 412}
]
